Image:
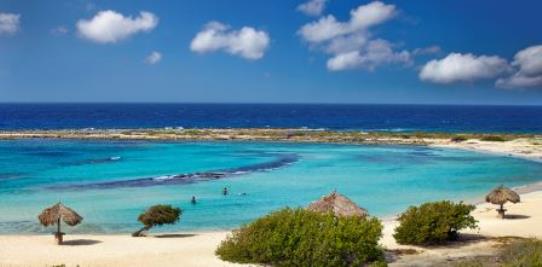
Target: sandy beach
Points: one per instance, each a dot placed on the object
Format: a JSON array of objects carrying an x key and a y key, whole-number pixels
[
  {"x": 112, "y": 250},
  {"x": 197, "y": 249}
]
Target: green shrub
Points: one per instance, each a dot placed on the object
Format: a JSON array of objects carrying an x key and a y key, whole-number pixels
[
  {"x": 493, "y": 138},
  {"x": 459, "y": 138},
  {"x": 296, "y": 237},
  {"x": 158, "y": 215},
  {"x": 434, "y": 223},
  {"x": 523, "y": 253},
  {"x": 379, "y": 263}
]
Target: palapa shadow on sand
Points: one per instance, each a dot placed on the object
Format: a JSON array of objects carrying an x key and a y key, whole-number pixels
[
  {"x": 174, "y": 235},
  {"x": 81, "y": 242}
]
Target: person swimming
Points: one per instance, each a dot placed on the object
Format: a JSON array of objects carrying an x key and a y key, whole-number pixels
[
  {"x": 193, "y": 200},
  {"x": 225, "y": 191}
]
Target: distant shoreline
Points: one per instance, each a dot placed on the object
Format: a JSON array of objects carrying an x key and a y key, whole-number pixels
[
  {"x": 258, "y": 134},
  {"x": 527, "y": 146}
]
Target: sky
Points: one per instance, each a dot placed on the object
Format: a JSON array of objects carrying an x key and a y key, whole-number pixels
[{"x": 247, "y": 51}]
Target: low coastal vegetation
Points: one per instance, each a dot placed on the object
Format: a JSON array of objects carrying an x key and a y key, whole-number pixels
[
  {"x": 294, "y": 237},
  {"x": 494, "y": 138},
  {"x": 434, "y": 223},
  {"x": 522, "y": 253},
  {"x": 156, "y": 216},
  {"x": 267, "y": 134},
  {"x": 459, "y": 138},
  {"x": 519, "y": 253}
]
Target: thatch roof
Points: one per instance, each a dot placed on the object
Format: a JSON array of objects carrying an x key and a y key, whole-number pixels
[
  {"x": 501, "y": 195},
  {"x": 338, "y": 204},
  {"x": 50, "y": 216}
]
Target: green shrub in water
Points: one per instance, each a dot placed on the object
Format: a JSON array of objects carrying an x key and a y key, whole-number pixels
[
  {"x": 297, "y": 237},
  {"x": 434, "y": 223}
]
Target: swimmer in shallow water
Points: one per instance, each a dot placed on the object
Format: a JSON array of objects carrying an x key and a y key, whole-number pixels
[
  {"x": 193, "y": 200},
  {"x": 225, "y": 191}
]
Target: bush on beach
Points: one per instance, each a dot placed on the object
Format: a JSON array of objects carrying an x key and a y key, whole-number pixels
[
  {"x": 157, "y": 215},
  {"x": 295, "y": 237},
  {"x": 434, "y": 223},
  {"x": 459, "y": 138},
  {"x": 493, "y": 138}
]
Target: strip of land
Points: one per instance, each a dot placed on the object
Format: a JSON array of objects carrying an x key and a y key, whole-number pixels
[{"x": 528, "y": 146}]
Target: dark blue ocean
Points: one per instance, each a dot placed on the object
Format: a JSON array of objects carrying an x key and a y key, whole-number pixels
[{"x": 442, "y": 118}]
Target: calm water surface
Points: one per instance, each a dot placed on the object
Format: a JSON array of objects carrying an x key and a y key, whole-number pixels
[{"x": 111, "y": 182}]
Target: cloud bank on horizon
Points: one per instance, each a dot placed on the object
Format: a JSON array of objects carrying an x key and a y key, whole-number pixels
[{"x": 350, "y": 44}]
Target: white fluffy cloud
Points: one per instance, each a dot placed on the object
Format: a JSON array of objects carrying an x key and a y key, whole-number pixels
[
  {"x": 110, "y": 27},
  {"x": 458, "y": 67},
  {"x": 528, "y": 65},
  {"x": 247, "y": 42},
  {"x": 312, "y": 7},
  {"x": 377, "y": 52},
  {"x": 153, "y": 58},
  {"x": 350, "y": 44},
  {"x": 9, "y": 23},
  {"x": 361, "y": 19}
]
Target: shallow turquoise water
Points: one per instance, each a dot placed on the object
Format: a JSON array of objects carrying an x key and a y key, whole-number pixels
[{"x": 109, "y": 183}]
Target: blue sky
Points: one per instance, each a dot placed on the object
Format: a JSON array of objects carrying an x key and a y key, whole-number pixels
[{"x": 318, "y": 51}]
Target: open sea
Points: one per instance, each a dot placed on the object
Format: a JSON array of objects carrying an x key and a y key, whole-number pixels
[
  {"x": 110, "y": 182},
  {"x": 518, "y": 119}
]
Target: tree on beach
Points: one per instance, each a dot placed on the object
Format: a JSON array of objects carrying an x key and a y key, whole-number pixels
[
  {"x": 156, "y": 216},
  {"x": 501, "y": 195},
  {"x": 332, "y": 231},
  {"x": 301, "y": 237},
  {"x": 55, "y": 215},
  {"x": 434, "y": 223}
]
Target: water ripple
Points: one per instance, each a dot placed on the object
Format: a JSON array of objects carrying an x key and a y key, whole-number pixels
[{"x": 281, "y": 160}]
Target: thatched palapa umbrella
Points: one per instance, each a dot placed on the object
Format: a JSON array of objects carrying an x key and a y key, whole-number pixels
[
  {"x": 501, "y": 195},
  {"x": 338, "y": 204},
  {"x": 53, "y": 215}
]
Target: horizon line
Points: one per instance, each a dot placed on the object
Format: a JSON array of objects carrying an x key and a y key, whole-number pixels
[{"x": 257, "y": 103}]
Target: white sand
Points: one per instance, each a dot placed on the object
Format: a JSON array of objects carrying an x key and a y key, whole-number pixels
[
  {"x": 530, "y": 149},
  {"x": 111, "y": 250}
]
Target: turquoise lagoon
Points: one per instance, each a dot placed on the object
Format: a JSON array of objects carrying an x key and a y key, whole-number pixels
[{"x": 110, "y": 182}]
